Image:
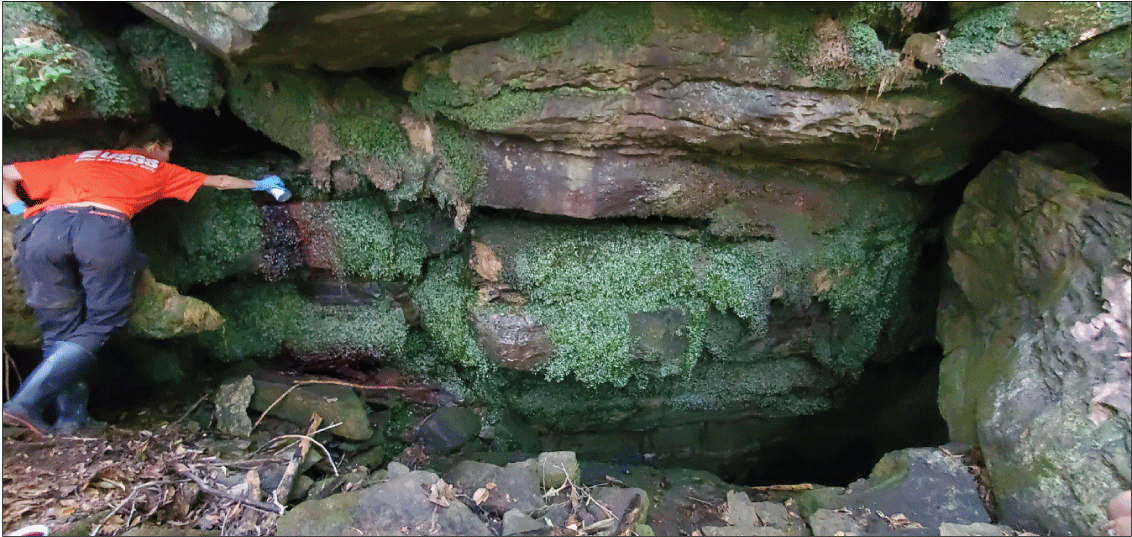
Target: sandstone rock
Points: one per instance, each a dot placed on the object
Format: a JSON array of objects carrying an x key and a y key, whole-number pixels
[
  {"x": 514, "y": 341},
  {"x": 334, "y": 403},
  {"x": 1036, "y": 357},
  {"x": 347, "y": 37},
  {"x": 448, "y": 429},
  {"x": 742, "y": 513},
  {"x": 516, "y": 522},
  {"x": 507, "y": 489},
  {"x": 232, "y": 399},
  {"x": 555, "y": 468},
  {"x": 827, "y": 522},
  {"x": 677, "y": 86},
  {"x": 925, "y": 485}
]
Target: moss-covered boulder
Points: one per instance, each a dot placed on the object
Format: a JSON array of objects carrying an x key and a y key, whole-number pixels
[
  {"x": 171, "y": 65},
  {"x": 1035, "y": 332},
  {"x": 54, "y": 70},
  {"x": 679, "y": 319},
  {"x": 159, "y": 312},
  {"x": 347, "y": 131},
  {"x": 1000, "y": 46}
]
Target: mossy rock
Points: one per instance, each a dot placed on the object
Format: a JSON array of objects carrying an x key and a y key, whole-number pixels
[{"x": 52, "y": 70}]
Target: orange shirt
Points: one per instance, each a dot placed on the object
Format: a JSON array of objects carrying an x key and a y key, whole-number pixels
[{"x": 124, "y": 180}]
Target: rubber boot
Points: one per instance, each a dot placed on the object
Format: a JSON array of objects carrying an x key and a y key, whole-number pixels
[
  {"x": 67, "y": 363},
  {"x": 71, "y": 404}
]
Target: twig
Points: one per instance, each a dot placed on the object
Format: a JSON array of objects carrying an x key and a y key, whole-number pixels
[
  {"x": 190, "y": 410},
  {"x": 133, "y": 493},
  {"x": 321, "y": 381},
  {"x": 255, "y": 504},
  {"x": 315, "y": 442},
  {"x": 279, "y": 496},
  {"x": 8, "y": 387}
]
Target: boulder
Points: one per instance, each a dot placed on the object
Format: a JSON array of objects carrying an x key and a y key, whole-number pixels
[
  {"x": 448, "y": 429},
  {"x": 1036, "y": 360},
  {"x": 1000, "y": 46},
  {"x": 506, "y": 489},
  {"x": 333, "y": 402},
  {"x": 926, "y": 485},
  {"x": 1089, "y": 87},
  {"x": 399, "y": 506},
  {"x": 348, "y": 37}
]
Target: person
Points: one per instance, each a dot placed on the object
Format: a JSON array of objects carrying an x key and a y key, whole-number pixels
[{"x": 76, "y": 257}]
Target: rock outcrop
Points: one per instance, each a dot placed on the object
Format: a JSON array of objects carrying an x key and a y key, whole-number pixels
[{"x": 1036, "y": 368}]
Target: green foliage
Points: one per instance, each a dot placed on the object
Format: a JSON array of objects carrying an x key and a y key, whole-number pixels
[
  {"x": 366, "y": 242},
  {"x": 262, "y": 318},
  {"x": 39, "y": 77},
  {"x": 443, "y": 298},
  {"x": 203, "y": 241},
  {"x": 39, "y": 64},
  {"x": 169, "y": 63},
  {"x": 114, "y": 89}
]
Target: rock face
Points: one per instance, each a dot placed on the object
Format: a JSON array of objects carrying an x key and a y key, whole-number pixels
[
  {"x": 678, "y": 223},
  {"x": 1036, "y": 369},
  {"x": 1001, "y": 45},
  {"x": 349, "y": 37}
]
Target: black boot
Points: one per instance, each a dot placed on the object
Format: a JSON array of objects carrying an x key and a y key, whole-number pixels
[
  {"x": 67, "y": 363},
  {"x": 74, "y": 419}
]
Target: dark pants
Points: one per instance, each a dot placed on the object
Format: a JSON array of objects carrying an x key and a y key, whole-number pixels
[{"x": 78, "y": 267}]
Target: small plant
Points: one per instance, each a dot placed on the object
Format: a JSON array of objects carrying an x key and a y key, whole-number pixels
[{"x": 39, "y": 77}]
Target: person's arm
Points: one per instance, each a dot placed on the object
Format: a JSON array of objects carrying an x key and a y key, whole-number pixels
[
  {"x": 227, "y": 182},
  {"x": 12, "y": 201}
]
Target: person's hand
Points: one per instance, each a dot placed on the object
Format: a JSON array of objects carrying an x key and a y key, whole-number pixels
[
  {"x": 269, "y": 182},
  {"x": 17, "y": 207}
]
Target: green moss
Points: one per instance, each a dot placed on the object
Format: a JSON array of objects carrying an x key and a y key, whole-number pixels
[
  {"x": 113, "y": 86},
  {"x": 169, "y": 63},
  {"x": 442, "y": 95},
  {"x": 596, "y": 277},
  {"x": 279, "y": 103},
  {"x": 263, "y": 318},
  {"x": 1046, "y": 28},
  {"x": 54, "y": 67},
  {"x": 443, "y": 298},
  {"x": 463, "y": 163},
  {"x": 202, "y": 241},
  {"x": 366, "y": 243}
]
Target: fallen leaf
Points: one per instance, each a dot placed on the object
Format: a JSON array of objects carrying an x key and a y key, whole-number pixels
[{"x": 480, "y": 496}]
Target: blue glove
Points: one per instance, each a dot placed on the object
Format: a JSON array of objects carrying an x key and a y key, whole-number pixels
[
  {"x": 268, "y": 182},
  {"x": 273, "y": 185},
  {"x": 17, "y": 207}
]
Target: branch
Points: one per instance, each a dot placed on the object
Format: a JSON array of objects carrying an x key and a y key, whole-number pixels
[{"x": 266, "y": 507}]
